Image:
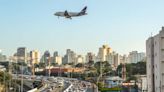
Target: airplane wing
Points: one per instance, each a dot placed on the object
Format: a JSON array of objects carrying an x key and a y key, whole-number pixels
[{"x": 67, "y": 15}]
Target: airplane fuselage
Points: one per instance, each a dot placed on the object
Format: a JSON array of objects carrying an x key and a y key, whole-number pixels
[
  {"x": 67, "y": 14},
  {"x": 71, "y": 14}
]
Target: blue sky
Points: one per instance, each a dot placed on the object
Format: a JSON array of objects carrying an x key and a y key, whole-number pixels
[{"x": 123, "y": 24}]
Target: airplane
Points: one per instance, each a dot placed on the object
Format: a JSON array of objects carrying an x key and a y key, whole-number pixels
[{"x": 69, "y": 15}]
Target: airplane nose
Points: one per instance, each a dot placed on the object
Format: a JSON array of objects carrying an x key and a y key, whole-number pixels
[{"x": 56, "y": 14}]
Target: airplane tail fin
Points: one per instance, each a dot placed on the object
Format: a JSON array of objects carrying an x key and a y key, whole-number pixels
[{"x": 83, "y": 11}]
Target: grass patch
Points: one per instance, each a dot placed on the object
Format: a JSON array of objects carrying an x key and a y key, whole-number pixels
[{"x": 110, "y": 89}]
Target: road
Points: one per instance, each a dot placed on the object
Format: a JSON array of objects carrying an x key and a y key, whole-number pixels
[{"x": 60, "y": 84}]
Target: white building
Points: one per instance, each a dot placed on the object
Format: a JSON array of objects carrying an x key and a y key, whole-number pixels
[
  {"x": 135, "y": 57},
  {"x": 103, "y": 52},
  {"x": 110, "y": 58},
  {"x": 79, "y": 59},
  {"x": 155, "y": 62},
  {"x": 113, "y": 59},
  {"x": 114, "y": 81},
  {"x": 2, "y": 57},
  {"x": 2, "y": 68},
  {"x": 142, "y": 83},
  {"x": 58, "y": 60},
  {"x": 70, "y": 57},
  {"x": 123, "y": 59},
  {"x": 34, "y": 56}
]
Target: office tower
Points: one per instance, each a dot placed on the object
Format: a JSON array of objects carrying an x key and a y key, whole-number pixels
[
  {"x": 46, "y": 57},
  {"x": 55, "y": 54},
  {"x": 123, "y": 59},
  {"x": 103, "y": 52},
  {"x": 47, "y": 62},
  {"x": 155, "y": 62},
  {"x": 42, "y": 59},
  {"x": 116, "y": 60},
  {"x": 58, "y": 60},
  {"x": 53, "y": 60},
  {"x": 90, "y": 57},
  {"x": 135, "y": 57},
  {"x": 22, "y": 54},
  {"x": 79, "y": 59},
  {"x": 2, "y": 57},
  {"x": 70, "y": 57},
  {"x": 34, "y": 56},
  {"x": 113, "y": 59}
]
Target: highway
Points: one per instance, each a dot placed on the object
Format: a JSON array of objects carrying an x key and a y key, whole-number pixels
[{"x": 60, "y": 84}]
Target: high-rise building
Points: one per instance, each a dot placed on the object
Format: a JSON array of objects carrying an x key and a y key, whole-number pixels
[
  {"x": 47, "y": 62},
  {"x": 2, "y": 57},
  {"x": 110, "y": 58},
  {"x": 46, "y": 57},
  {"x": 90, "y": 57},
  {"x": 116, "y": 60},
  {"x": 22, "y": 54},
  {"x": 53, "y": 59},
  {"x": 155, "y": 62},
  {"x": 70, "y": 57},
  {"x": 103, "y": 52},
  {"x": 55, "y": 54},
  {"x": 123, "y": 59},
  {"x": 135, "y": 57},
  {"x": 79, "y": 59},
  {"x": 113, "y": 59},
  {"x": 34, "y": 56},
  {"x": 58, "y": 60}
]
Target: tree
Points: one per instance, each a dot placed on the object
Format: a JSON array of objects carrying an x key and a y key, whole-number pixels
[
  {"x": 90, "y": 63},
  {"x": 100, "y": 85},
  {"x": 79, "y": 65},
  {"x": 42, "y": 65},
  {"x": 105, "y": 66},
  {"x": 54, "y": 64},
  {"x": 4, "y": 76},
  {"x": 133, "y": 69}
]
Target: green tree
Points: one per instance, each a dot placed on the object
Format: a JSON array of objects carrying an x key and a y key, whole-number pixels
[
  {"x": 105, "y": 66},
  {"x": 133, "y": 69},
  {"x": 42, "y": 65},
  {"x": 4, "y": 76},
  {"x": 79, "y": 65}
]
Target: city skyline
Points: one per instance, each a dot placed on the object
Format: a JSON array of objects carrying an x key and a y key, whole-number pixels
[
  {"x": 105, "y": 53},
  {"x": 28, "y": 51},
  {"x": 33, "y": 25}
]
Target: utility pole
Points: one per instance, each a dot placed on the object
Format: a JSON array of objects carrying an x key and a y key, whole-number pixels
[
  {"x": 4, "y": 80},
  {"x": 22, "y": 77},
  {"x": 49, "y": 71},
  {"x": 16, "y": 58},
  {"x": 10, "y": 71},
  {"x": 100, "y": 68},
  {"x": 24, "y": 61}
]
